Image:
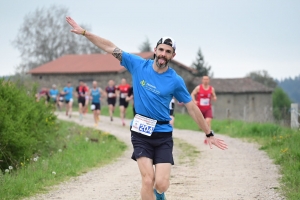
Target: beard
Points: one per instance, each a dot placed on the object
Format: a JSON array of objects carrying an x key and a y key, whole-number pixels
[{"x": 161, "y": 62}]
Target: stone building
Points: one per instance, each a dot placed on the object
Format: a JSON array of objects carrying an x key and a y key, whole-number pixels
[
  {"x": 99, "y": 67},
  {"x": 241, "y": 99}
]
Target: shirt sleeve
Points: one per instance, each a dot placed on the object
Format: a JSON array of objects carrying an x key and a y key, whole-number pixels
[
  {"x": 131, "y": 61},
  {"x": 181, "y": 93}
]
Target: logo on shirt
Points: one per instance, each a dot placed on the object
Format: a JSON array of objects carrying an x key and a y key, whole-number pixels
[{"x": 143, "y": 83}]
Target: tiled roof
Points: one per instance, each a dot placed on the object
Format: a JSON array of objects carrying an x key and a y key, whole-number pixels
[
  {"x": 88, "y": 63},
  {"x": 236, "y": 85}
]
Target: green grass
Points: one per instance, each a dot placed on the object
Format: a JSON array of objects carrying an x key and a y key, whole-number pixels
[
  {"x": 281, "y": 143},
  {"x": 78, "y": 150},
  {"x": 187, "y": 152}
]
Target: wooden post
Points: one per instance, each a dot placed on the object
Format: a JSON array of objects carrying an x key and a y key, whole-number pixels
[{"x": 294, "y": 115}]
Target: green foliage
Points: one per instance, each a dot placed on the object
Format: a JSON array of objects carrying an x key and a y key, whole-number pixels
[
  {"x": 281, "y": 144},
  {"x": 281, "y": 103},
  {"x": 145, "y": 46},
  {"x": 76, "y": 149},
  {"x": 291, "y": 87},
  {"x": 25, "y": 125},
  {"x": 263, "y": 77},
  {"x": 202, "y": 68}
]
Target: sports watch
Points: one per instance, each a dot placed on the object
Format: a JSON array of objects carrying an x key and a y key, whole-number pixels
[{"x": 210, "y": 134}]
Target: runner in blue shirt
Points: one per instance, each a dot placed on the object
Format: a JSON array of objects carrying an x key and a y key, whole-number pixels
[
  {"x": 154, "y": 85},
  {"x": 54, "y": 94},
  {"x": 96, "y": 94},
  {"x": 68, "y": 92}
]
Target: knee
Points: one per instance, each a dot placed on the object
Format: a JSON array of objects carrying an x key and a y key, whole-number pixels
[
  {"x": 148, "y": 181},
  {"x": 162, "y": 185}
]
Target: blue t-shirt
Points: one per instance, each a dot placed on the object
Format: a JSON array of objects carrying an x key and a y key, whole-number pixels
[
  {"x": 153, "y": 91},
  {"x": 53, "y": 93},
  {"x": 95, "y": 93},
  {"x": 69, "y": 93}
]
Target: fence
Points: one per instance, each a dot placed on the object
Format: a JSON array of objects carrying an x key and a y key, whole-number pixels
[{"x": 286, "y": 116}]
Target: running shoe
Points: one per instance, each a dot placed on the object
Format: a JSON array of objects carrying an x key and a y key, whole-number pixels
[
  {"x": 123, "y": 123},
  {"x": 159, "y": 196},
  {"x": 80, "y": 117},
  {"x": 111, "y": 119}
]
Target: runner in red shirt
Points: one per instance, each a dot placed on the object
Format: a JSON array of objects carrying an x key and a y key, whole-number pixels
[
  {"x": 202, "y": 96},
  {"x": 81, "y": 92},
  {"x": 123, "y": 89}
]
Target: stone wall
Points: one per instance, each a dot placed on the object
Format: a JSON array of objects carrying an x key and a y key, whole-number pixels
[{"x": 244, "y": 106}]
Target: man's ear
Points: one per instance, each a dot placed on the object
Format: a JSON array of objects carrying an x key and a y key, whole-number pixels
[
  {"x": 174, "y": 54},
  {"x": 155, "y": 50}
]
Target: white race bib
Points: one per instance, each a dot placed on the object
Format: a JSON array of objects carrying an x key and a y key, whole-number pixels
[
  {"x": 71, "y": 100},
  {"x": 93, "y": 107},
  {"x": 143, "y": 125},
  {"x": 110, "y": 95},
  {"x": 53, "y": 96},
  {"x": 123, "y": 95},
  {"x": 204, "y": 102},
  {"x": 61, "y": 98}
]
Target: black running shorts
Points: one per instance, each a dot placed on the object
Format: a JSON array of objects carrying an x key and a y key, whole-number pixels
[
  {"x": 158, "y": 147},
  {"x": 81, "y": 100},
  {"x": 123, "y": 102},
  {"x": 111, "y": 101},
  {"x": 97, "y": 106}
]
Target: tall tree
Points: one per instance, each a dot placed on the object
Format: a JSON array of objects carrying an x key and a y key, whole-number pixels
[
  {"x": 145, "y": 46},
  {"x": 202, "y": 68},
  {"x": 263, "y": 77},
  {"x": 281, "y": 103},
  {"x": 45, "y": 36}
]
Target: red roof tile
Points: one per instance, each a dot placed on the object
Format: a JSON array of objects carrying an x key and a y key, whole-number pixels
[{"x": 88, "y": 63}]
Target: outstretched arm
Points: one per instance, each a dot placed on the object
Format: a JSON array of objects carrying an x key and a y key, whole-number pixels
[
  {"x": 214, "y": 96},
  {"x": 199, "y": 119},
  {"x": 102, "y": 43}
]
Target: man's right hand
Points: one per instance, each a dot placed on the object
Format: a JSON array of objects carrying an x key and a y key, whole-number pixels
[{"x": 76, "y": 28}]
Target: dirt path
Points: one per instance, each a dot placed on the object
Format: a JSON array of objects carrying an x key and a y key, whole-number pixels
[{"x": 241, "y": 172}]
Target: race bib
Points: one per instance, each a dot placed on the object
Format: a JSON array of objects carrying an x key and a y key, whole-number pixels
[
  {"x": 71, "y": 100},
  {"x": 93, "y": 107},
  {"x": 204, "y": 102},
  {"x": 53, "y": 96},
  {"x": 123, "y": 95},
  {"x": 143, "y": 125},
  {"x": 61, "y": 98},
  {"x": 110, "y": 95}
]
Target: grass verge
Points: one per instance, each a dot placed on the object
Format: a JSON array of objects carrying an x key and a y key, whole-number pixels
[
  {"x": 78, "y": 150},
  {"x": 281, "y": 143},
  {"x": 187, "y": 152}
]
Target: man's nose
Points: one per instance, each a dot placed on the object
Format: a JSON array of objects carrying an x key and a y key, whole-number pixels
[{"x": 163, "y": 53}]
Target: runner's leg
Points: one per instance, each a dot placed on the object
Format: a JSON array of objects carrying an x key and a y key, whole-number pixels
[
  {"x": 208, "y": 121},
  {"x": 162, "y": 177},
  {"x": 111, "y": 110},
  {"x": 122, "y": 114},
  {"x": 70, "y": 108},
  {"x": 147, "y": 173},
  {"x": 80, "y": 110}
]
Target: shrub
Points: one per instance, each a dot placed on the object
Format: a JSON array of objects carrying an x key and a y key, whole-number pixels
[{"x": 25, "y": 125}]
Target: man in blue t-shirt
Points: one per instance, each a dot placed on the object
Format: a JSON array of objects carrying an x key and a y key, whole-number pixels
[
  {"x": 53, "y": 94},
  {"x": 68, "y": 92},
  {"x": 154, "y": 85}
]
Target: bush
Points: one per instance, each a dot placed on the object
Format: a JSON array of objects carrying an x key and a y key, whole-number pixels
[
  {"x": 25, "y": 125},
  {"x": 281, "y": 104}
]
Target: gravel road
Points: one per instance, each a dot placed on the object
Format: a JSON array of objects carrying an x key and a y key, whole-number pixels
[{"x": 241, "y": 172}]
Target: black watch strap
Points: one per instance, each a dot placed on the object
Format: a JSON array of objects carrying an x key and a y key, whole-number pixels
[{"x": 210, "y": 134}]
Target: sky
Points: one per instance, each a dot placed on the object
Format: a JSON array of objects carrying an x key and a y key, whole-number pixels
[{"x": 236, "y": 36}]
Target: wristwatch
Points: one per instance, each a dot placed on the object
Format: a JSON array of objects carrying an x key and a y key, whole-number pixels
[{"x": 210, "y": 134}]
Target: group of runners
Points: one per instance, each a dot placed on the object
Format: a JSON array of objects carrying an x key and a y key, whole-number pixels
[{"x": 155, "y": 84}]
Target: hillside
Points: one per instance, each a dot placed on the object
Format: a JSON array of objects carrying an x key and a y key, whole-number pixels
[{"x": 292, "y": 87}]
